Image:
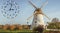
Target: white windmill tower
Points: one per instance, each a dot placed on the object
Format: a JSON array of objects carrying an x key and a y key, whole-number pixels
[{"x": 38, "y": 15}]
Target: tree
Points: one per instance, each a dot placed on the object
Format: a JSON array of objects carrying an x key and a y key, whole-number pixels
[
  {"x": 55, "y": 25},
  {"x": 55, "y": 20}
]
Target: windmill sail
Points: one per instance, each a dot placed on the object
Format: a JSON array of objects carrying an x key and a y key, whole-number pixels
[
  {"x": 46, "y": 16},
  {"x": 45, "y": 3},
  {"x": 32, "y": 4}
]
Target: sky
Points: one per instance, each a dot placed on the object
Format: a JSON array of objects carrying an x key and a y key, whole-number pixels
[{"x": 52, "y": 10}]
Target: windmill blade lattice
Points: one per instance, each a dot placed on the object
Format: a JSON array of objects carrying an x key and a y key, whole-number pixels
[{"x": 10, "y": 9}]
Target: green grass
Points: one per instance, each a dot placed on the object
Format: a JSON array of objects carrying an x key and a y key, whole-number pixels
[
  {"x": 16, "y": 31},
  {"x": 19, "y": 31}
]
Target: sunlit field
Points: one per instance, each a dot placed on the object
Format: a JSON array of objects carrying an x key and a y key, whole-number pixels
[
  {"x": 25, "y": 31},
  {"x": 16, "y": 31}
]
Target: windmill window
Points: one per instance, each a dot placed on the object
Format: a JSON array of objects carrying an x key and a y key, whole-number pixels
[{"x": 35, "y": 21}]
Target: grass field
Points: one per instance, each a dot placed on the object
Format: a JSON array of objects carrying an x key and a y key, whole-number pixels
[
  {"x": 16, "y": 31},
  {"x": 25, "y": 31}
]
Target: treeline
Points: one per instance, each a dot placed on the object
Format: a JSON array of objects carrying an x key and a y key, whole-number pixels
[
  {"x": 53, "y": 25},
  {"x": 14, "y": 27}
]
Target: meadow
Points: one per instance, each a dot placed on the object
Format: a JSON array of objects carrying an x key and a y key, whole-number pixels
[
  {"x": 16, "y": 31},
  {"x": 25, "y": 31}
]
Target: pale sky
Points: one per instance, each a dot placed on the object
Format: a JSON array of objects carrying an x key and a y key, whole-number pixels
[{"x": 52, "y": 10}]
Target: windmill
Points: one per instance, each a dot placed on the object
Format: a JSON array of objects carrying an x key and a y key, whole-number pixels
[{"x": 38, "y": 15}]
